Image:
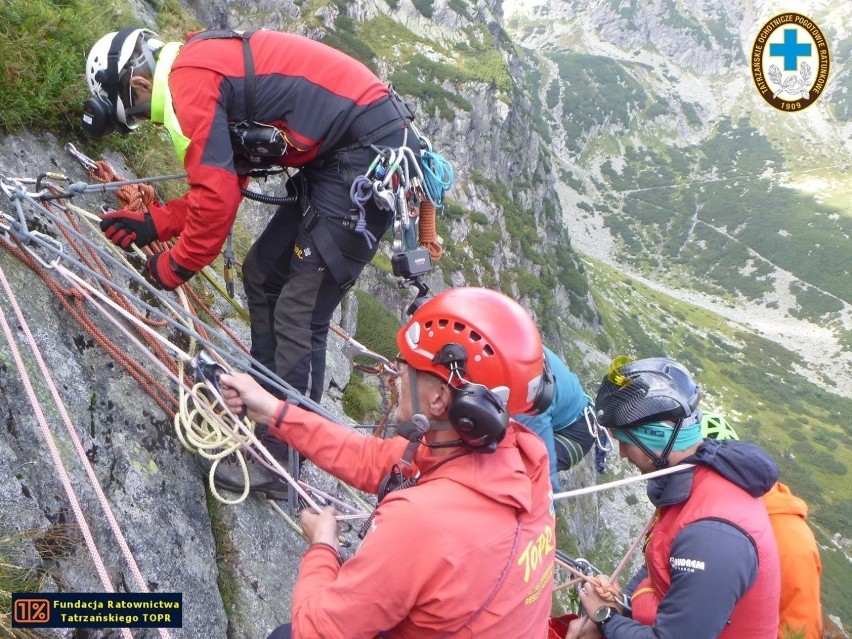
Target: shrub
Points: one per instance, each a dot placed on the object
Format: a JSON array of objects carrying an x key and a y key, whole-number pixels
[
  {"x": 377, "y": 325},
  {"x": 425, "y": 7},
  {"x": 828, "y": 463},
  {"x": 460, "y": 7},
  {"x": 453, "y": 210},
  {"x": 603, "y": 343},
  {"x": 361, "y": 402},
  {"x": 483, "y": 243},
  {"x": 43, "y": 48},
  {"x": 351, "y": 45}
]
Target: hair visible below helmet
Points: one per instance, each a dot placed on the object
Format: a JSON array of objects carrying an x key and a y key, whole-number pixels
[
  {"x": 125, "y": 44},
  {"x": 647, "y": 390},
  {"x": 715, "y": 426},
  {"x": 499, "y": 342}
]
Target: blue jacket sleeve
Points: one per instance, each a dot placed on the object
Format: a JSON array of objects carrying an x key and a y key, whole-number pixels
[
  {"x": 542, "y": 425},
  {"x": 703, "y": 592},
  {"x": 569, "y": 400}
]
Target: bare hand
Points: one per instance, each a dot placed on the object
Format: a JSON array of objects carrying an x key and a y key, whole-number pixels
[
  {"x": 582, "y": 628},
  {"x": 320, "y": 527},
  {"x": 594, "y": 596},
  {"x": 241, "y": 391}
]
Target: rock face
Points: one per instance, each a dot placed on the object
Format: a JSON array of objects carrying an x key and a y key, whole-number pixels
[
  {"x": 235, "y": 565},
  {"x": 153, "y": 486}
]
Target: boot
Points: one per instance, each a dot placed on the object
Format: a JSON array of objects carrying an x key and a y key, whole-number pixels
[{"x": 229, "y": 473}]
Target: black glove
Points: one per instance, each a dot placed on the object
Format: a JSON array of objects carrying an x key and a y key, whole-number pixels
[
  {"x": 166, "y": 273},
  {"x": 125, "y": 227}
]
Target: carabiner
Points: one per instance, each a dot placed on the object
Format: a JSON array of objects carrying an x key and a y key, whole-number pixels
[
  {"x": 88, "y": 163},
  {"x": 44, "y": 239},
  {"x": 207, "y": 369},
  {"x": 351, "y": 349},
  {"x": 595, "y": 430}
]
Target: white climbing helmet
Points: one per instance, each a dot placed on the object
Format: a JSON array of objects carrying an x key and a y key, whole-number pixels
[{"x": 122, "y": 45}]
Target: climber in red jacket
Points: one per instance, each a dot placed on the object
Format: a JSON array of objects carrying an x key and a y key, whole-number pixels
[
  {"x": 232, "y": 102},
  {"x": 711, "y": 563},
  {"x": 464, "y": 546}
]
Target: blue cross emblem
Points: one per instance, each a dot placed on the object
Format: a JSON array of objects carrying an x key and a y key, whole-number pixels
[{"x": 790, "y": 50}]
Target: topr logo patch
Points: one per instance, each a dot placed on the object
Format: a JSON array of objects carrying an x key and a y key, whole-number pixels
[{"x": 790, "y": 62}]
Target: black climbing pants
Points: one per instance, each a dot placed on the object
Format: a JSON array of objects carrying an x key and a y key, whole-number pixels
[
  {"x": 282, "y": 632},
  {"x": 292, "y": 293}
]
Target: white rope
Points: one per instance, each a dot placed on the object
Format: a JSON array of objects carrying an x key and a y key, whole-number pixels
[
  {"x": 209, "y": 409},
  {"x": 622, "y": 482},
  {"x": 88, "y": 290},
  {"x": 64, "y": 478}
]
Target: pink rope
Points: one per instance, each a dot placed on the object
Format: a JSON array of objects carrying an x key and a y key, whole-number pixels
[
  {"x": 51, "y": 445},
  {"x": 81, "y": 453}
]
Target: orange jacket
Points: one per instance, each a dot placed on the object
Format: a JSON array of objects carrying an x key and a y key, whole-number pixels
[
  {"x": 800, "y": 564},
  {"x": 467, "y": 552}
]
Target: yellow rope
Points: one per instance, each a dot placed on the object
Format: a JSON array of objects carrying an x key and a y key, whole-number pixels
[
  {"x": 197, "y": 432},
  {"x": 293, "y": 523}
]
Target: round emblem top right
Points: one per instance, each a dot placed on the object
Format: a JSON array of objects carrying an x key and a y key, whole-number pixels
[{"x": 790, "y": 62}]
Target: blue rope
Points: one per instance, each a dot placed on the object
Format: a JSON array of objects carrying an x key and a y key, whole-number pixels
[
  {"x": 437, "y": 175},
  {"x": 600, "y": 460},
  {"x": 360, "y": 192}
]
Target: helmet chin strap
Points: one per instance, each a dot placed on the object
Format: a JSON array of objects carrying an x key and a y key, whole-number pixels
[
  {"x": 660, "y": 461},
  {"x": 141, "y": 107},
  {"x": 419, "y": 423},
  {"x": 413, "y": 430}
]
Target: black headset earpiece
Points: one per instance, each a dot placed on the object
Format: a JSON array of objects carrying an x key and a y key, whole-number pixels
[
  {"x": 98, "y": 117},
  {"x": 99, "y": 112},
  {"x": 478, "y": 416}
]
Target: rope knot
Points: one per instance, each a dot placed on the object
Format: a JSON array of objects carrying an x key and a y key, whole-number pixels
[{"x": 360, "y": 193}]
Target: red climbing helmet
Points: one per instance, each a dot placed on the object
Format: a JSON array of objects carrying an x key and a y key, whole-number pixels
[{"x": 501, "y": 345}]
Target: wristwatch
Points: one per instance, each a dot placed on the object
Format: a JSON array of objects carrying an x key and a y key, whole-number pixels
[{"x": 602, "y": 615}]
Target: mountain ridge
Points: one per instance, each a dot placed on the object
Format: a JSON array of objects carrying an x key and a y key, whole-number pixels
[{"x": 824, "y": 345}]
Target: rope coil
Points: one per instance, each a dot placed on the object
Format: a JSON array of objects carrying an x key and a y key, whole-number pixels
[
  {"x": 438, "y": 176},
  {"x": 134, "y": 197},
  {"x": 428, "y": 232}
]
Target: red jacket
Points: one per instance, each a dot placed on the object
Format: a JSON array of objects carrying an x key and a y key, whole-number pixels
[
  {"x": 800, "y": 564},
  {"x": 432, "y": 563},
  {"x": 714, "y": 497},
  {"x": 309, "y": 90}
]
